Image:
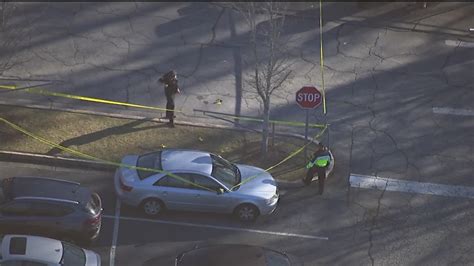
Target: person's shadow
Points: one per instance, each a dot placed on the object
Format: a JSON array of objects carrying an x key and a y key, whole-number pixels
[{"x": 94, "y": 136}]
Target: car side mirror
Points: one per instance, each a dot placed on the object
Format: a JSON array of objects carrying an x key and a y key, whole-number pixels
[{"x": 220, "y": 191}]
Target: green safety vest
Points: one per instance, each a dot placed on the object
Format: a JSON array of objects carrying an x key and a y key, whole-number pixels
[{"x": 321, "y": 161}]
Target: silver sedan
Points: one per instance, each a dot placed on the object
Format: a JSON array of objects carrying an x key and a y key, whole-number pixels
[{"x": 193, "y": 180}]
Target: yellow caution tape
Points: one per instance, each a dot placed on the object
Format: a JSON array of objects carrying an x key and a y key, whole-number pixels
[
  {"x": 10, "y": 87},
  {"x": 98, "y": 100},
  {"x": 282, "y": 161},
  {"x": 321, "y": 52},
  {"x": 90, "y": 157},
  {"x": 84, "y": 98}
]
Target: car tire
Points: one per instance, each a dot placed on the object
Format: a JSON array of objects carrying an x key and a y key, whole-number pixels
[
  {"x": 152, "y": 207},
  {"x": 246, "y": 213}
]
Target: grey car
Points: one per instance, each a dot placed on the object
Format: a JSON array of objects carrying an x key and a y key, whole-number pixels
[
  {"x": 206, "y": 183},
  {"x": 50, "y": 207}
]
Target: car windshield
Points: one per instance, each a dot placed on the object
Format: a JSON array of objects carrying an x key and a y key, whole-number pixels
[
  {"x": 73, "y": 255},
  {"x": 225, "y": 172},
  {"x": 149, "y": 160}
]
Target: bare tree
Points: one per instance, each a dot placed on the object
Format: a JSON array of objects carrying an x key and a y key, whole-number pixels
[
  {"x": 269, "y": 58},
  {"x": 10, "y": 37}
]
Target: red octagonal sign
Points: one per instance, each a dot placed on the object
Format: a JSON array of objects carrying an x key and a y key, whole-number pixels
[{"x": 308, "y": 97}]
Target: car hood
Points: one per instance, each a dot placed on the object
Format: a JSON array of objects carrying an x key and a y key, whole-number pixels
[{"x": 256, "y": 182}]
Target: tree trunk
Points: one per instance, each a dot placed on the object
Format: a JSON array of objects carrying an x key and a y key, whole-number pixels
[
  {"x": 265, "y": 128},
  {"x": 2, "y": 16}
]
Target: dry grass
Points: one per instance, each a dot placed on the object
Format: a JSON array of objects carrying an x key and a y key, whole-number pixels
[{"x": 111, "y": 138}]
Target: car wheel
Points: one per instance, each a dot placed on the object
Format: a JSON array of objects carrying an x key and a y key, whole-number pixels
[
  {"x": 247, "y": 213},
  {"x": 152, "y": 207}
]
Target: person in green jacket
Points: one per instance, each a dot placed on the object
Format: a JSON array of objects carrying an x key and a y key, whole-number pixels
[{"x": 318, "y": 164}]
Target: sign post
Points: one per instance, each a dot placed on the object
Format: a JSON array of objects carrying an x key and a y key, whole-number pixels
[{"x": 308, "y": 97}]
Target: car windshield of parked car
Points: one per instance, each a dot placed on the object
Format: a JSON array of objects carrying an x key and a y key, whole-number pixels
[
  {"x": 149, "y": 160},
  {"x": 72, "y": 255},
  {"x": 225, "y": 172}
]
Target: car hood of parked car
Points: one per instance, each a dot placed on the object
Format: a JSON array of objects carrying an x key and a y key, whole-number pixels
[{"x": 256, "y": 182}]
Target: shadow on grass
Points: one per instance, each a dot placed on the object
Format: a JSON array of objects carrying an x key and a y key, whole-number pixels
[{"x": 118, "y": 130}]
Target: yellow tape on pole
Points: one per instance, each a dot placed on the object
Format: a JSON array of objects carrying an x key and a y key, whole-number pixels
[{"x": 321, "y": 52}]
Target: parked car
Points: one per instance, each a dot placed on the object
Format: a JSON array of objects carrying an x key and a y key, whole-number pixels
[
  {"x": 235, "y": 255},
  {"x": 35, "y": 250},
  {"x": 222, "y": 186},
  {"x": 50, "y": 207}
]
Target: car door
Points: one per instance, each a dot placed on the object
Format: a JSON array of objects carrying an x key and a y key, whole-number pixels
[
  {"x": 48, "y": 218},
  {"x": 214, "y": 198},
  {"x": 15, "y": 217},
  {"x": 175, "y": 193},
  {"x": 24, "y": 263}
]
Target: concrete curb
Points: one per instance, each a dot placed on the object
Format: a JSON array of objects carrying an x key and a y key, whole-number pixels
[
  {"x": 36, "y": 158},
  {"x": 136, "y": 117}
]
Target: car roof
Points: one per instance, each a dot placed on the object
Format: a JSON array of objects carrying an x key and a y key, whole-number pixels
[
  {"x": 186, "y": 160},
  {"x": 31, "y": 248},
  {"x": 226, "y": 254},
  {"x": 42, "y": 187}
]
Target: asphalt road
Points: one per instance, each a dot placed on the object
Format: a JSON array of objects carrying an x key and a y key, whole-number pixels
[
  {"x": 355, "y": 227},
  {"x": 156, "y": 242},
  {"x": 389, "y": 68}
]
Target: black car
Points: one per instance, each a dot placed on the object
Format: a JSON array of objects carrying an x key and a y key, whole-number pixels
[
  {"x": 49, "y": 207},
  {"x": 235, "y": 255}
]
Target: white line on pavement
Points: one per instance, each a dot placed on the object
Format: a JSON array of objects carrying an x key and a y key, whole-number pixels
[
  {"x": 115, "y": 233},
  {"x": 452, "y": 111},
  {"x": 389, "y": 184},
  {"x": 220, "y": 227},
  {"x": 457, "y": 43}
]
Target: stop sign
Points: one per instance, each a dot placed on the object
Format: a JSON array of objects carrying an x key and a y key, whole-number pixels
[{"x": 308, "y": 97}]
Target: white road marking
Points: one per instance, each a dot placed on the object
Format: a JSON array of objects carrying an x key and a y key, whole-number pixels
[
  {"x": 390, "y": 184},
  {"x": 115, "y": 232},
  {"x": 220, "y": 227},
  {"x": 457, "y": 43},
  {"x": 452, "y": 111}
]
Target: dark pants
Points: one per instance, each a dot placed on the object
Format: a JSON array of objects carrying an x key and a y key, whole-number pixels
[
  {"x": 170, "y": 108},
  {"x": 321, "y": 171}
]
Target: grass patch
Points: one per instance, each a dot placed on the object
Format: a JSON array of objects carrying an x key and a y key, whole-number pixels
[{"x": 111, "y": 138}]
